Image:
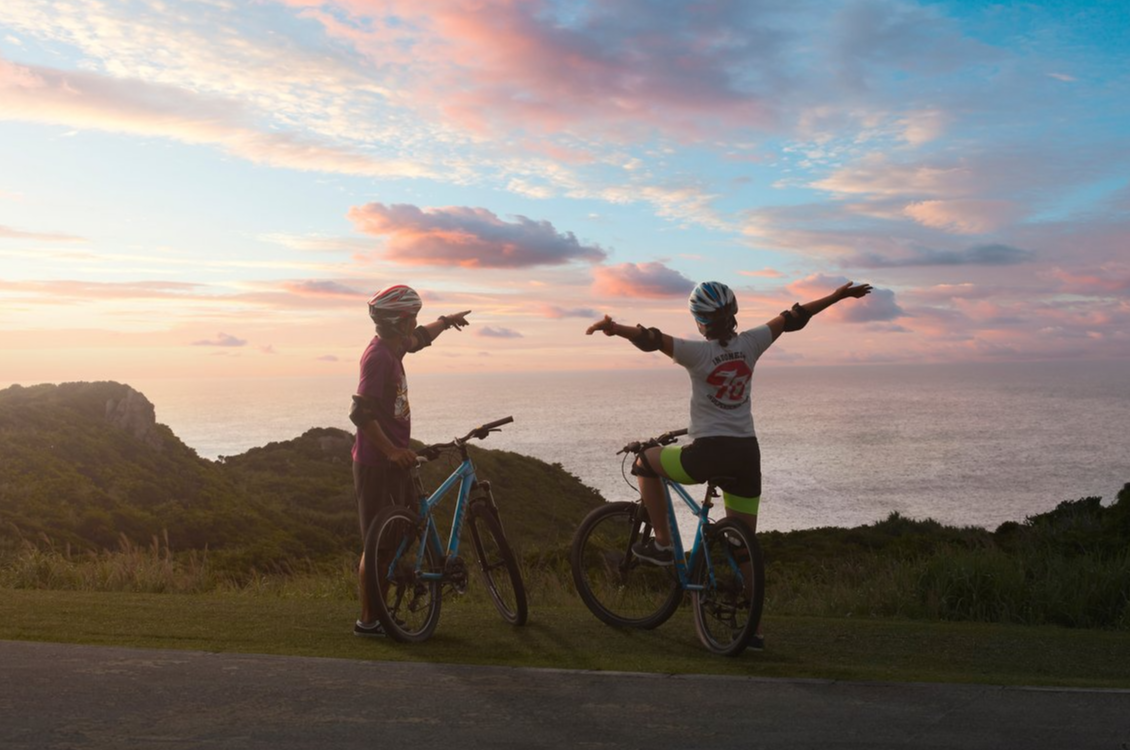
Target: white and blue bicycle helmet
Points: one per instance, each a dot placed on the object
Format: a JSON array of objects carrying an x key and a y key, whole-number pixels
[{"x": 711, "y": 300}]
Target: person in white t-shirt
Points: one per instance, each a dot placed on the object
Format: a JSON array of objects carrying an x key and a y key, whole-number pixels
[{"x": 723, "y": 442}]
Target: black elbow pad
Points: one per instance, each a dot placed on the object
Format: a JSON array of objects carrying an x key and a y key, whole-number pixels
[
  {"x": 360, "y": 410},
  {"x": 796, "y": 317},
  {"x": 647, "y": 340},
  {"x": 421, "y": 339}
]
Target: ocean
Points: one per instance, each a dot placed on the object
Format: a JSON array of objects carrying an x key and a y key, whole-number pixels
[{"x": 964, "y": 444}]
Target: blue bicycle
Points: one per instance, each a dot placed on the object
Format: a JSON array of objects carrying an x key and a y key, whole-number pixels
[
  {"x": 723, "y": 571},
  {"x": 413, "y": 564}
]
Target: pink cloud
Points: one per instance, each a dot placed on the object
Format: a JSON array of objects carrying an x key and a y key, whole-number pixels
[
  {"x": 53, "y": 291},
  {"x": 312, "y": 288},
  {"x": 647, "y": 280},
  {"x": 556, "y": 311},
  {"x": 221, "y": 340},
  {"x": 497, "y": 332},
  {"x": 878, "y": 306},
  {"x": 622, "y": 70},
  {"x": 8, "y": 233},
  {"x": 469, "y": 237},
  {"x": 88, "y": 100},
  {"x": 964, "y": 217},
  {"x": 766, "y": 273},
  {"x": 1109, "y": 280}
]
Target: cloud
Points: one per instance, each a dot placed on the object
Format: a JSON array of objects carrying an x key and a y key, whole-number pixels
[
  {"x": 314, "y": 288},
  {"x": 221, "y": 340},
  {"x": 468, "y": 237},
  {"x": 990, "y": 185},
  {"x": 556, "y": 311},
  {"x": 1107, "y": 281},
  {"x": 317, "y": 243},
  {"x": 878, "y": 306},
  {"x": 499, "y": 332},
  {"x": 614, "y": 71},
  {"x": 8, "y": 233},
  {"x": 815, "y": 285},
  {"x": 647, "y": 280},
  {"x": 53, "y": 291},
  {"x": 964, "y": 217},
  {"x": 924, "y": 126},
  {"x": 978, "y": 255},
  {"x": 91, "y": 101},
  {"x": 766, "y": 273},
  {"x": 327, "y": 358}
]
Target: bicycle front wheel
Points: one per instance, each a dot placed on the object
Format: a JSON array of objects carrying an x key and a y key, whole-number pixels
[
  {"x": 406, "y": 603},
  {"x": 613, "y": 583},
  {"x": 498, "y": 564},
  {"x": 732, "y": 575}
]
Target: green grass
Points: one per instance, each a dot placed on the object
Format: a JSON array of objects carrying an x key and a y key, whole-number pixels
[{"x": 562, "y": 634}]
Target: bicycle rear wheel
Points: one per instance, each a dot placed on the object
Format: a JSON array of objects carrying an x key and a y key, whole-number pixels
[
  {"x": 732, "y": 575},
  {"x": 498, "y": 564},
  {"x": 407, "y": 604},
  {"x": 616, "y": 586}
]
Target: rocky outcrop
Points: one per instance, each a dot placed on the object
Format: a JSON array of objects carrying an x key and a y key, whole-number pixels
[{"x": 135, "y": 414}]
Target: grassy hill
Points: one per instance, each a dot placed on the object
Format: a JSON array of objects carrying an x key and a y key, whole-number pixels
[{"x": 86, "y": 466}]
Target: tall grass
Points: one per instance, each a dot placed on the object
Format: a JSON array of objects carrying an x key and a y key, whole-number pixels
[
  {"x": 954, "y": 584},
  {"x": 960, "y": 585},
  {"x": 156, "y": 569},
  {"x": 1069, "y": 567}
]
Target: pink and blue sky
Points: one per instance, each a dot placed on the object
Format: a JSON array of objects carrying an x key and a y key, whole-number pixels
[{"x": 215, "y": 187}]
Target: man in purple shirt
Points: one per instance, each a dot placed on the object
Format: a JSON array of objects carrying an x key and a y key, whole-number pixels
[{"x": 381, "y": 453}]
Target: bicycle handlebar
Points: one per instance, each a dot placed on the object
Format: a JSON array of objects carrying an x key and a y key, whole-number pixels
[
  {"x": 428, "y": 453},
  {"x": 661, "y": 440}
]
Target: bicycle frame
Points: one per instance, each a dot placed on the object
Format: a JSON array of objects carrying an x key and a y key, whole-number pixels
[
  {"x": 464, "y": 474},
  {"x": 682, "y": 561}
]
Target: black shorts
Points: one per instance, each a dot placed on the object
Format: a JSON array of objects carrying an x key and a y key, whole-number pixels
[
  {"x": 718, "y": 456},
  {"x": 377, "y": 486}
]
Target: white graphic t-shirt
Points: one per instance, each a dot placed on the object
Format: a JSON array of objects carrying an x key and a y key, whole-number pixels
[{"x": 720, "y": 382}]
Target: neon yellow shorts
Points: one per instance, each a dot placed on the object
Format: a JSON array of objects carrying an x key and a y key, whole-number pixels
[{"x": 701, "y": 455}]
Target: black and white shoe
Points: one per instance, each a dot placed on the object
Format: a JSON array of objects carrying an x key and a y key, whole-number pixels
[
  {"x": 652, "y": 552},
  {"x": 368, "y": 629}
]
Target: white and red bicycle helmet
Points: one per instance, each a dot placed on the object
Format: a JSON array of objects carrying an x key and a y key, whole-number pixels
[{"x": 394, "y": 305}]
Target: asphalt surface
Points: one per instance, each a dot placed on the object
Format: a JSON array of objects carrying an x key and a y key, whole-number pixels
[{"x": 69, "y": 696}]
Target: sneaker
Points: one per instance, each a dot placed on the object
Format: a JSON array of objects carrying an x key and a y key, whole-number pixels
[
  {"x": 368, "y": 629},
  {"x": 653, "y": 552},
  {"x": 757, "y": 643}
]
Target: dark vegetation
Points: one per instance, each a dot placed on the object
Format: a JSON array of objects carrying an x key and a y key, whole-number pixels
[
  {"x": 86, "y": 467},
  {"x": 87, "y": 475}
]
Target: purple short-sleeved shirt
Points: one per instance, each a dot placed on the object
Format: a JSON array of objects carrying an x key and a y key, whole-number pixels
[{"x": 383, "y": 381}]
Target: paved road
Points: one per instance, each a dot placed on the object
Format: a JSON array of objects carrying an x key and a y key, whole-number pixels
[{"x": 66, "y": 696}]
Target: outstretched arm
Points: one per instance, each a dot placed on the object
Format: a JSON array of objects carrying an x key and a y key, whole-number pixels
[
  {"x": 781, "y": 323},
  {"x": 647, "y": 339},
  {"x": 424, "y": 335}
]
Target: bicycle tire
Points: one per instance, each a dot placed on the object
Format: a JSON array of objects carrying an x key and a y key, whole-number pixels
[
  {"x": 618, "y": 588},
  {"x": 728, "y": 608},
  {"x": 407, "y": 606},
  {"x": 497, "y": 564}
]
